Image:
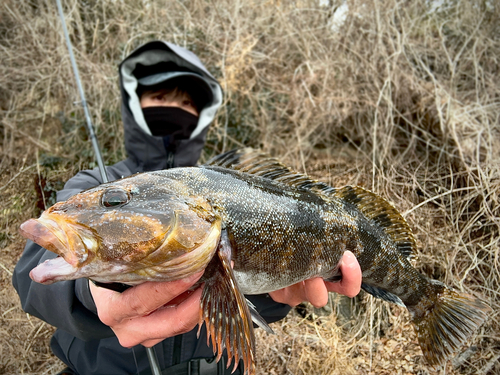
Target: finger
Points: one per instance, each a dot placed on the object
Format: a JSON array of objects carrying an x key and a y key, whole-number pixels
[
  {"x": 138, "y": 301},
  {"x": 316, "y": 292},
  {"x": 165, "y": 322},
  {"x": 292, "y": 295},
  {"x": 145, "y": 298},
  {"x": 350, "y": 285}
]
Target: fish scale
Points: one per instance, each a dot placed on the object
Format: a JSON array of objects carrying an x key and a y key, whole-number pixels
[
  {"x": 276, "y": 226},
  {"x": 284, "y": 226}
]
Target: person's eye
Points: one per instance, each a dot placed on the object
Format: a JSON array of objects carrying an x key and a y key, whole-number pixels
[{"x": 188, "y": 103}]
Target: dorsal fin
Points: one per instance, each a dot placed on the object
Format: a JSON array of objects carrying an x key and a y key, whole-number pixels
[
  {"x": 383, "y": 213},
  {"x": 257, "y": 163},
  {"x": 371, "y": 205}
]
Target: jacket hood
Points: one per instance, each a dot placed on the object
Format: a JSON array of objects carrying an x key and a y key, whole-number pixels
[{"x": 145, "y": 150}]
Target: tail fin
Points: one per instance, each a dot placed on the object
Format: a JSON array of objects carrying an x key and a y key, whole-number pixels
[{"x": 445, "y": 321}]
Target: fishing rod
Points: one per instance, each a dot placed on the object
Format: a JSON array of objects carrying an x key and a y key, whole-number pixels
[
  {"x": 152, "y": 358},
  {"x": 90, "y": 127}
]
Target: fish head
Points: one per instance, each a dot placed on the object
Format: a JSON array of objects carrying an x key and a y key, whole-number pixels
[{"x": 132, "y": 230}]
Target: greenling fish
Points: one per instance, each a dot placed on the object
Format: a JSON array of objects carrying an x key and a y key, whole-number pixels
[{"x": 277, "y": 226}]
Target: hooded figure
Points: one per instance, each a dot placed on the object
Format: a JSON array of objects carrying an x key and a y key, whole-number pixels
[
  {"x": 155, "y": 138},
  {"x": 150, "y": 65},
  {"x": 148, "y": 152}
]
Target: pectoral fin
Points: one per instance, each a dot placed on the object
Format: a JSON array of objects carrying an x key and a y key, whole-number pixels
[{"x": 225, "y": 312}]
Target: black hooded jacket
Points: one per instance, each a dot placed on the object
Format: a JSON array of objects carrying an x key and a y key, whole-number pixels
[{"x": 81, "y": 340}]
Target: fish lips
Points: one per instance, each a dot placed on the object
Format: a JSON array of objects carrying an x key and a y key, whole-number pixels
[
  {"x": 53, "y": 270},
  {"x": 71, "y": 241},
  {"x": 41, "y": 234}
]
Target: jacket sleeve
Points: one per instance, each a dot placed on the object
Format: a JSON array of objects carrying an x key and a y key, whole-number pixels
[{"x": 67, "y": 305}]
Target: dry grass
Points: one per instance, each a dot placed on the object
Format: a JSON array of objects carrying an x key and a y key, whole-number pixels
[{"x": 400, "y": 99}]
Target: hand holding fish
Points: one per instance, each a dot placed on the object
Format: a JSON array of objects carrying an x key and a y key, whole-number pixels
[
  {"x": 316, "y": 290},
  {"x": 139, "y": 315}
]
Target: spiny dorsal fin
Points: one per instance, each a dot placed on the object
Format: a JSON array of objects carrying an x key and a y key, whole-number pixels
[
  {"x": 374, "y": 207},
  {"x": 383, "y": 213},
  {"x": 257, "y": 163}
]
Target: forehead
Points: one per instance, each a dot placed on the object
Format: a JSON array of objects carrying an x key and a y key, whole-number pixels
[
  {"x": 166, "y": 92},
  {"x": 180, "y": 84}
]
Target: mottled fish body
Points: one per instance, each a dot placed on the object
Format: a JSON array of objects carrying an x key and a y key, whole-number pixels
[{"x": 276, "y": 226}]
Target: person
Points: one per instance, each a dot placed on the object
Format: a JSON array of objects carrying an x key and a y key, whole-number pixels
[{"x": 168, "y": 101}]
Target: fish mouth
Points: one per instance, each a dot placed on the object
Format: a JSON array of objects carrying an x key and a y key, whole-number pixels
[
  {"x": 71, "y": 241},
  {"x": 53, "y": 270},
  {"x": 43, "y": 232}
]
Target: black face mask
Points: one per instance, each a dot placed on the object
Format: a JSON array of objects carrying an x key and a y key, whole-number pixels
[{"x": 173, "y": 122}]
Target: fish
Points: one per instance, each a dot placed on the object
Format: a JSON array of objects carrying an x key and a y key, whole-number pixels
[{"x": 253, "y": 225}]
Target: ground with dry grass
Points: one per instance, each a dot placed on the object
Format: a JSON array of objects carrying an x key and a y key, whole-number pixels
[{"x": 400, "y": 97}]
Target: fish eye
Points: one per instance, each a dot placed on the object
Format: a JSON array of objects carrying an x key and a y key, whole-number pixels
[{"x": 115, "y": 198}]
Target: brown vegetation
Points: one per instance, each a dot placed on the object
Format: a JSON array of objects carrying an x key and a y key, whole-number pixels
[{"x": 399, "y": 98}]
